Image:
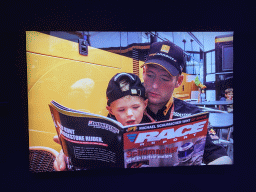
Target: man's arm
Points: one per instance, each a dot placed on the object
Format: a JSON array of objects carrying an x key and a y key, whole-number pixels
[
  {"x": 224, "y": 160},
  {"x": 214, "y": 154},
  {"x": 59, "y": 163}
]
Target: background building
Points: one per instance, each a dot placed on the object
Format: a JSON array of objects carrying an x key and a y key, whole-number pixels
[{"x": 210, "y": 53}]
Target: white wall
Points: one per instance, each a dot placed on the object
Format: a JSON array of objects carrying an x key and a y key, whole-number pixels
[{"x": 210, "y": 95}]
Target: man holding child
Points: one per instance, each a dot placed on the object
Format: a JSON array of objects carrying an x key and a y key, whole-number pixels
[{"x": 162, "y": 73}]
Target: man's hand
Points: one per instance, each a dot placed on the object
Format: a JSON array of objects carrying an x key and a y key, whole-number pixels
[
  {"x": 59, "y": 163},
  {"x": 137, "y": 165}
]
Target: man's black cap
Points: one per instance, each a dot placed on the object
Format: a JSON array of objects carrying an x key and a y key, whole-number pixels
[
  {"x": 167, "y": 55},
  {"x": 123, "y": 84}
]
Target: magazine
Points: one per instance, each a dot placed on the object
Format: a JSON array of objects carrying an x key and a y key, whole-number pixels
[{"x": 93, "y": 141}]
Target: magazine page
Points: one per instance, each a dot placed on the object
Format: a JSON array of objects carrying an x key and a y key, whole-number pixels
[
  {"x": 89, "y": 141},
  {"x": 178, "y": 142},
  {"x": 73, "y": 112}
]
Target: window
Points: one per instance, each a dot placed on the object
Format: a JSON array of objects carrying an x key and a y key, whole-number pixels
[
  {"x": 227, "y": 58},
  {"x": 210, "y": 66},
  {"x": 193, "y": 66}
]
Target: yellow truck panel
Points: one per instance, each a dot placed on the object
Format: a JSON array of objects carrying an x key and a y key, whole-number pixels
[
  {"x": 184, "y": 91},
  {"x": 57, "y": 47},
  {"x": 41, "y": 138},
  {"x": 56, "y": 71}
]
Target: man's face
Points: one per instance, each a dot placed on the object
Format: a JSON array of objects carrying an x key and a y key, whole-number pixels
[{"x": 159, "y": 84}]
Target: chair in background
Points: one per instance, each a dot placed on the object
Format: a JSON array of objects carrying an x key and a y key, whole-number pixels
[
  {"x": 194, "y": 95},
  {"x": 225, "y": 140},
  {"x": 222, "y": 123},
  {"x": 41, "y": 159}
]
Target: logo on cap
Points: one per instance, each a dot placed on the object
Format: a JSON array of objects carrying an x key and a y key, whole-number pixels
[
  {"x": 165, "y": 48},
  {"x": 124, "y": 85},
  {"x": 134, "y": 91}
]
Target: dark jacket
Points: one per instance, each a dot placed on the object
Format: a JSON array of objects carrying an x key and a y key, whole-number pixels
[{"x": 182, "y": 109}]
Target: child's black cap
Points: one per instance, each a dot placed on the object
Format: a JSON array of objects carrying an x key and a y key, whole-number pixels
[{"x": 123, "y": 84}]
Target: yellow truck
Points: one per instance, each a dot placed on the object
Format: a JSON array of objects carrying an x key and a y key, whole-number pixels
[{"x": 56, "y": 71}]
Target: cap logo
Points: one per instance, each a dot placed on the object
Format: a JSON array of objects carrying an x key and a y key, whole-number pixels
[
  {"x": 134, "y": 91},
  {"x": 161, "y": 54},
  {"x": 124, "y": 85},
  {"x": 165, "y": 48}
]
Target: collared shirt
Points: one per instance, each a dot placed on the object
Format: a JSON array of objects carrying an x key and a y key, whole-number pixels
[{"x": 183, "y": 109}]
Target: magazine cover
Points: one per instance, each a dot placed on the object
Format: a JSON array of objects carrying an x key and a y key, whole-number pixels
[
  {"x": 179, "y": 142},
  {"x": 93, "y": 141}
]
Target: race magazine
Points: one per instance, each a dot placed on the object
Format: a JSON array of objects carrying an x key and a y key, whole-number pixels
[{"x": 93, "y": 141}]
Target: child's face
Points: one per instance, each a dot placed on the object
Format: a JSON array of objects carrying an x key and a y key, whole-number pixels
[
  {"x": 128, "y": 110},
  {"x": 229, "y": 96}
]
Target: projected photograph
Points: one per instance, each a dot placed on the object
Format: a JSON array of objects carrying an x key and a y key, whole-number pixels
[{"x": 102, "y": 100}]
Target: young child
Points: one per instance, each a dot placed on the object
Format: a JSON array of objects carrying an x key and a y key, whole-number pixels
[
  {"x": 126, "y": 99},
  {"x": 229, "y": 94},
  {"x": 228, "y": 97}
]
